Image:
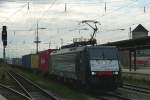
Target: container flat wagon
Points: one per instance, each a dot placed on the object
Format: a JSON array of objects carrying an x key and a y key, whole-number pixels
[
  {"x": 44, "y": 60},
  {"x": 26, "y": 61},
  {"x": 34, "y": 61}
]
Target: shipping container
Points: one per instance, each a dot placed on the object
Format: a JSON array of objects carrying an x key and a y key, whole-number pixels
[
  {"x": 26, "y": 61},
  {"x": 16, "y": 61},
  {"x": 44, "y": 60},
  {"x": 34, "y": 61},
  {"x": 9, "y": 61}
]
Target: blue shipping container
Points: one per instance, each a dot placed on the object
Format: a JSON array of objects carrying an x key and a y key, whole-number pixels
[{"x": 26, "y": 61}]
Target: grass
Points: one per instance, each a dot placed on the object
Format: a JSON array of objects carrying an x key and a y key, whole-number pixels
[
  {"x": 144, "y": 97},
  {"x": 70, "y": 94},
  {"x": 55, "y": 87},
  {"x": 3, "y": 73},
  {"x": 140, "y": 82}
]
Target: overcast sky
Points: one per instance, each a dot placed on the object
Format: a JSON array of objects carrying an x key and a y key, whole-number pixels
[{"x": 61, "y": 27}]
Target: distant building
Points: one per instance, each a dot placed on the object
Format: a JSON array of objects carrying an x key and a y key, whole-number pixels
[{"x": 139, "y": 32}]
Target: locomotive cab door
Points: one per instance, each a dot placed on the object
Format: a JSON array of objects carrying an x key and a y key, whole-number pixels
[{"x": 81, "y": 67}]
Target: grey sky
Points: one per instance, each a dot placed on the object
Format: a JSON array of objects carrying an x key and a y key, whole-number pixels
[{"x": 51, "y": 14}]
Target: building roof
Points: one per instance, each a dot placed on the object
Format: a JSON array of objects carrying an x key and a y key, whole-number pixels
[
  {"x": 140, "y": 43},
  {"x": 140, "y": 28}
]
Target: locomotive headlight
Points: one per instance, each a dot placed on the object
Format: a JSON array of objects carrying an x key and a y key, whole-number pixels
[
  {"x": 116, "y": 73},
  {"x": 93, "y": 73}
]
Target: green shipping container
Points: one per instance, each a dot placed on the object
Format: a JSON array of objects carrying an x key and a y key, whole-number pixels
[{"x": 34, "y": 61}]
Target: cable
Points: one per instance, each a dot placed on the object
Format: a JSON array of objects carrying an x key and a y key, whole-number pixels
[
  {"x": 98, "y": 2},
  {"x": 52, "y": 4},
  {"x": 46, "y": 11},
  {"x": 136, "y": 19},
  {"x": 8, "y": 18},
  {"x": 115, "y": 10},
  {"x": 108, "y": 13}
]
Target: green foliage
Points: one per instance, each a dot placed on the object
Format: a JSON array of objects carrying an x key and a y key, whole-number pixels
[
  {"x": 55, "y": 87},
  {"x": 132, "y": 80}
]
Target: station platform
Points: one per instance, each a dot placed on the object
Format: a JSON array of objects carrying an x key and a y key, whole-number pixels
[
  {"x": 140, "y": 74},
  {"x": 145, "y": 71}
]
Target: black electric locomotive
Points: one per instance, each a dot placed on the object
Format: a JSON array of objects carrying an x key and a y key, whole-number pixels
[{"x": 93, "y": 66}]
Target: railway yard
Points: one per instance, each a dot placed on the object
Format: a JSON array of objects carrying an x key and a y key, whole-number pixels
[
  {"x": 14, "y": 86},
  {"x": 75, "y": 50}
]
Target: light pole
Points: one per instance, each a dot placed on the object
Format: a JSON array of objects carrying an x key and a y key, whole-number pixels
[
  {"x": 37, "y": 41},
  {"x": 130, "y": 32}
]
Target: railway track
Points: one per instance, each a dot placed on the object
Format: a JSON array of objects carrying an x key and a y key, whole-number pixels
[
  {"x": 136, "y": 88},
  {"x": 34, "y": 92},
  {"x": 114, "y": 96},
  {"x": 11, "y": 83},
  {"x": 11, "y": 94},
  {"x": 30, "y": 89},
  {"x": 20, "y": 87}
]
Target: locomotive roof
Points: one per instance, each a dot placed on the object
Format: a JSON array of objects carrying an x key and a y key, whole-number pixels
[
  {"x": 68, "y": 50},
  {"x": 77, "y": 49}
]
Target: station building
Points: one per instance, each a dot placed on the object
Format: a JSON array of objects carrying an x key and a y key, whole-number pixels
[{"x": 135, "y": 52}]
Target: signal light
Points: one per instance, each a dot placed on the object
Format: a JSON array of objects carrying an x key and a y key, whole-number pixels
[
  {"x": 4, "y": 35},
  {"x": 5, "y": 43}
]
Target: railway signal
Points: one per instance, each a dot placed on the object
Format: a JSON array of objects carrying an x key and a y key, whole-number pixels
[
  {"x": 4, "y": 36},
  {"x": 4, "y": 40}
]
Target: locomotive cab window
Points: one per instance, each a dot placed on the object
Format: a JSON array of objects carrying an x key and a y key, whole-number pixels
[
  {"x": 97, "y": 53},
  {"x": 103, "y": 59}
]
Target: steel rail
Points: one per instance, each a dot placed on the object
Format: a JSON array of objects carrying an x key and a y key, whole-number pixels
[
  {"x": 52, "y": 97},
  {"x": 118, "y": 96},
  {"x": 22, "y": 87},
  {"x": 15, "y": 92},
  {"x": 136, "y": 88}
]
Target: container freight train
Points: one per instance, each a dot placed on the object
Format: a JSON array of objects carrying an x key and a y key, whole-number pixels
[
  {"x": 92, "y": 66},
  {"x": 38, "y": 61}
]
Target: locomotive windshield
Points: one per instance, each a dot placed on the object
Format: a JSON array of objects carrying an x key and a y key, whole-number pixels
[
  {"x": 103, "y": 59},
  {"x": 103, "y": 53}
]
